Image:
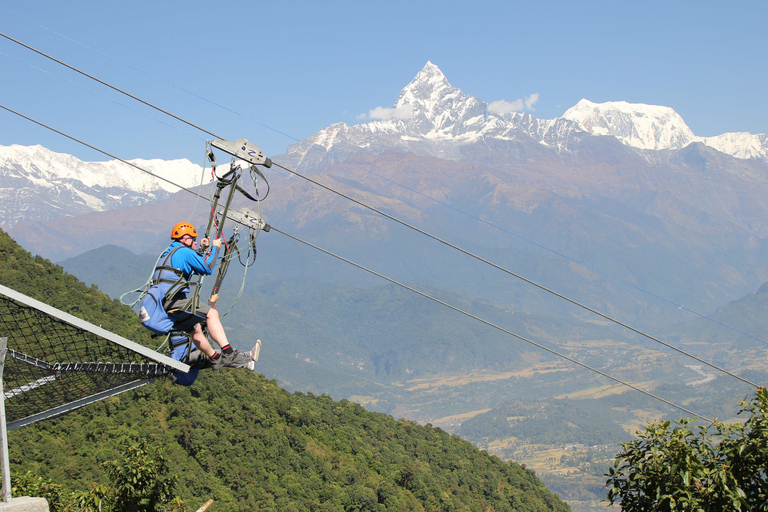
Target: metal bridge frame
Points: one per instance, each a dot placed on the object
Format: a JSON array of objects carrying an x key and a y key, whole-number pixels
[{"x": 62, "y": 409}]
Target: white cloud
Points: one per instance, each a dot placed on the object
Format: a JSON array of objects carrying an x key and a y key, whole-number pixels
[
  {"x": 505, "y": 107},
  {"x": 502, "y": 107},
  {"x": 403, "y": 112}
]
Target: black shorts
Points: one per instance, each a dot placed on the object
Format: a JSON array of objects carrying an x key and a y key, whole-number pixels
[
  {"x": 184, "y": 320},
  {"x": 177, "y": 304}
]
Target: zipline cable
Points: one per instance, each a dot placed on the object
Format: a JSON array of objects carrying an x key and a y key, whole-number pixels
[
  {"x": 198, "y": 195},
  {"x": 100, "y": 151},
  {"x": 507, "y": 271},
  {"x": 425, "y": 233},
  {"x": 326, "y": 152},
  {"x": 542, "y": 287},
  {"x": 607, "y": 317},
  {"x": 382, "y": 276},
  {"x": 36, "y": 68},
  {"x": 490, "y": 324},
  {"x": 109, "y": 85}
]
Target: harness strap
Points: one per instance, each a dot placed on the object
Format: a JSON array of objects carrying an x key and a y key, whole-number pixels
[
  {"x": 246, "y": 194},
  {"x": 176, "y": 285},
  {"x": 186, "y": 339}
]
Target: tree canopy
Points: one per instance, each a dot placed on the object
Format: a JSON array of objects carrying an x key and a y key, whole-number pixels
[
  {"x": 706, "y": 468},
  {"x": 250, "y": 445}
]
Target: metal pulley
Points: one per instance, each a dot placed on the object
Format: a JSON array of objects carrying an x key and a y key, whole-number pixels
[{"x": 243, "y": 150}]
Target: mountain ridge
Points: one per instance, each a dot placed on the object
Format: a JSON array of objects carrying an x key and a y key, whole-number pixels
[
  {"x": 39, "y": 184},
  {"x": 430, "y": 117}
]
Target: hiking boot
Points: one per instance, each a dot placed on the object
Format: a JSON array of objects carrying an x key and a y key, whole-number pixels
[
  {"x": 250, "y": 356},
  {"x": 254, "y": 352},
  {"x": 226, "y": 360},
  {"x": 217, "y": 364},
  {"x": 240, "y": 364}
]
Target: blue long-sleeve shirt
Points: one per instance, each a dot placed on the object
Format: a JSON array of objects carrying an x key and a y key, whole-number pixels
[{"x": 190, "y": 262}]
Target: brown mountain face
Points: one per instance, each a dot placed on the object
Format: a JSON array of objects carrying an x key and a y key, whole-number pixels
[
  {"x": 137, "y": 228},
  {"x": 602, "y": 224},
  {"x": 693, "y": 217},
  {"x": 696, "y": 188}
]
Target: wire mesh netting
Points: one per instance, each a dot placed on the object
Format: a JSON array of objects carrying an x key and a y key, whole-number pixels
[{"x": 51, "y": 362}]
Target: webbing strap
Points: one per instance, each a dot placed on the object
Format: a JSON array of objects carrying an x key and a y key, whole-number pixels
[
  {"x": 177, "y": 285},
  {"x": 246, "y": 194},
  {"x": 186, "y": 339},
  {"x": 165, "y": 266}
]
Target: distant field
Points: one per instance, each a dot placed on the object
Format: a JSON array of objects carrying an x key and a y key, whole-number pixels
[{"x": 482, "y": 376}]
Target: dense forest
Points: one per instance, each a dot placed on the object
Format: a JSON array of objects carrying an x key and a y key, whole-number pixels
[{"x": 241, "y": 440}]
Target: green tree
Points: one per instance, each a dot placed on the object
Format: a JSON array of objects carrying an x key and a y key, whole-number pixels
[
  {"x": 28, "y": 484},
  {"x": 139, "y": 482},
  {"x": 709, "y": 468},
  {"x": 58, "y": 498}
]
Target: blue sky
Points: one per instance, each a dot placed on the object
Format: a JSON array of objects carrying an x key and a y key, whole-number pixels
[{"x": 286, "y": 69}]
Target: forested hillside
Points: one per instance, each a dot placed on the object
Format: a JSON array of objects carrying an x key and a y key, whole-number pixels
[
  {"x": 38, "y": 278},
  {"x": 248, "y": 444}
]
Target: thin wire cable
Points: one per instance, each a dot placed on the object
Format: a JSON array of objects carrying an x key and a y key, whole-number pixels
[
  {"x": 514, "y": 274},
  {"x": 191, "y": 93},
  {"x": 36, "y": 68},
  {"x": 488, "y": 323},
  {"x": 100, "y": 151},
  {"x": 607, "y": 317},
  {"x": 459, "y": 310},
  {"x": 425, "y": 233},
  {"x": 327, "y": 152},
  {"x": 109, "y": 85},
  {"x": 688, "y": 347},
  {"x": 520, "y": 237}
]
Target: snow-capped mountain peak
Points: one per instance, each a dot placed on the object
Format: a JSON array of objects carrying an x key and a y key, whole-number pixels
[
  {"x": 50, "y": 167},
  {"x": 429, "y": 107},
  {"x": 36, "y": 182},
  {"x": 635, "y": 124},
  {"x": 431, "y": 117},
  {"x": 428, "y": 87},
  {"x": 739, "y": 144},
  {"x": 656, "y": 127}
]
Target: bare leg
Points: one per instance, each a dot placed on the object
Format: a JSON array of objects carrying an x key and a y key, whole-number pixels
[
  {"x": 201, "y": 341},
  {"x": 215, "y": 329}
]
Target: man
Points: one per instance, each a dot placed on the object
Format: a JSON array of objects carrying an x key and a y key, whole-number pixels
[{"x": 170, "y": 304}]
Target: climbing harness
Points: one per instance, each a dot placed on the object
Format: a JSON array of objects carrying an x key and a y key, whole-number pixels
[
  {"x": 159, "y": 292},
  {"x": 158, "y": 311}
]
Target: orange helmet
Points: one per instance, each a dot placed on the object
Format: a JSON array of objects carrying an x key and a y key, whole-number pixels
[{"x": 183, "y": 228}]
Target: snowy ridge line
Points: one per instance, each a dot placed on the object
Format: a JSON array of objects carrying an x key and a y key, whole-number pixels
[
  {"x": 47, "y": 167},
  {"x": 432, "y": 117}
]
